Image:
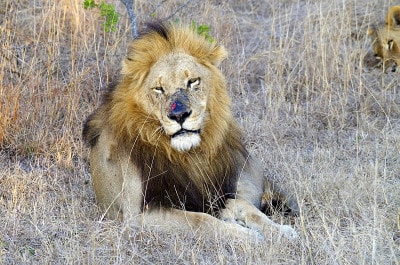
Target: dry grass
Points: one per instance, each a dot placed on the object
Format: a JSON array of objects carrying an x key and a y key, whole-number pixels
[{"x": 323, "y": 123}]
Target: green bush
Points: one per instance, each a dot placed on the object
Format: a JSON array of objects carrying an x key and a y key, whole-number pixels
[{"x": 107, "y": 11}]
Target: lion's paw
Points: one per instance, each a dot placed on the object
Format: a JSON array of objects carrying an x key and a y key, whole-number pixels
[
  {"x": 253, "y": 234},
  {"x": 289, "y": 232},
  {"x": 242, "y": 230}
]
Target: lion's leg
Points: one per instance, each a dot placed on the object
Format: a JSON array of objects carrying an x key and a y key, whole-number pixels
[
  {"x": 242, "y": 212},
  {"x": 171, "y": 220},
  {"x": 262, "y": 192}
]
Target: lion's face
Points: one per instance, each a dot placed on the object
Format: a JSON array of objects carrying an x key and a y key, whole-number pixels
[
  {"x": 177, "y": 90},
  {"x": 385, "y": 39},
  {"x": 384, "y": 44}
]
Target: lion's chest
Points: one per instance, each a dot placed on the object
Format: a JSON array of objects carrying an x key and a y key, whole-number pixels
[
  {"x": 196, "y": 184},
  {"x": 190, "y": 189}
]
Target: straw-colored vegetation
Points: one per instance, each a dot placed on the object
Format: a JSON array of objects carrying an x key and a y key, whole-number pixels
[{"x": 324, "y": 124}]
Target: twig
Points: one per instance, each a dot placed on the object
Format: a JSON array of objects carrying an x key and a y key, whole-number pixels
[
  {"x": 177, "y": 10},
  {"x": 129, "y": 4}
]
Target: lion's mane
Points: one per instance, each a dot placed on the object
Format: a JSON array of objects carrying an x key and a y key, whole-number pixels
[{"x": 200, "y": 179}]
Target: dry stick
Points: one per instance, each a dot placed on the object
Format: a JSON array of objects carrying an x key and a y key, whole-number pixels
[
  {"x": 177, "y": 10},
  {"x": 132, "y": 16}
]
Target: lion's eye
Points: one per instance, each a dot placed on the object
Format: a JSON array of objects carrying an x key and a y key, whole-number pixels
[
  {"x": 158, "y": 90},
  {"x": 194, "y": 83},
  {"x": 390, "y": 45}
]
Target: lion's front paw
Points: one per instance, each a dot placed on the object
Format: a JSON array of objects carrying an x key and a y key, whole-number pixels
[
  {"x": 289, "y": 232},
  {"x": 242, "y": 231}
]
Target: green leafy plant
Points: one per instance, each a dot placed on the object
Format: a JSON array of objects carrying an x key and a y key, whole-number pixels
[
  {"x": 203, "y": 30},
  {"x": 107, "y": 11}
]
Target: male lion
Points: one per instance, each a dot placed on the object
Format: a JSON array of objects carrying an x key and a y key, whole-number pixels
[
  {"x": 385, "y": 39},
  {"x": 165, "y": 149}
]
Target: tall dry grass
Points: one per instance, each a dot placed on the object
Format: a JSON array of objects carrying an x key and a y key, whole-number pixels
[{"x": 324, "y": 124}]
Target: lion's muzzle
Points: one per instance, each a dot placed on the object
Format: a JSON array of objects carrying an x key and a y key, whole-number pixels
[{"x": 179, "y": 108}]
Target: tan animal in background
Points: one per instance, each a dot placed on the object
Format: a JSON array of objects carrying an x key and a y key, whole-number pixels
[
  {"x": 385, "y": 39},
  {"x": 165, "y": 148}
]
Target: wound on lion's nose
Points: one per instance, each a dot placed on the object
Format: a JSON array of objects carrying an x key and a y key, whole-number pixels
[
  {"x": 179, "y": 111},
  {"x": 173, "y": 106},
  {"x": 178, "y": 107}
]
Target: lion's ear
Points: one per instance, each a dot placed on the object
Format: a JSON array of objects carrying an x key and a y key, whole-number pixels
[
  {"x": 392, "y": 46},
  {"x": 393, "y": 17},
  {"x": 217, "y": 55}
]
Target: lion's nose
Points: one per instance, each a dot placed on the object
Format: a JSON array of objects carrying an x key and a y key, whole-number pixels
[{"x": 179, "y": 112}]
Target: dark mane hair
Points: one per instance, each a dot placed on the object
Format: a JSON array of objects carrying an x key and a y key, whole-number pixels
[
  {"x": 157, "y": 27},
  {"x": 178, "y": 183}
]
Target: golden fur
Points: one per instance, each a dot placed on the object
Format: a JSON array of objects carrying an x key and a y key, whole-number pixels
[
  {"x": 385, "y": 39},
  {"x": 165, "y": 149}
]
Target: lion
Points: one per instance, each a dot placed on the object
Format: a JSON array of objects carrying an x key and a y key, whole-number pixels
[
  {"x": 385, "y": 40},
  {"x": 165, "y": 150}
]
